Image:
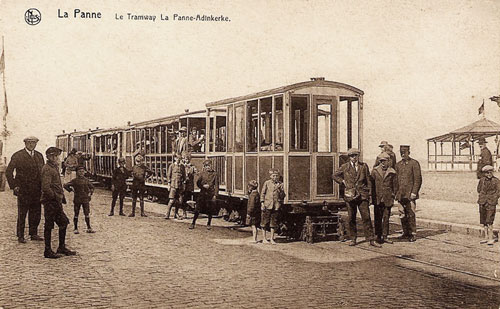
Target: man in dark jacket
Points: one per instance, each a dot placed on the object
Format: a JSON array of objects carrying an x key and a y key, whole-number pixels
[
  {"x": 27, "y": 163},
  {"x": 385, "y": 147},
  {"x": 484, "y": 159},
  {"x": 409, "y": 183},
  {"x": 209, "y": 188},
  {"x": 384, "y": 190},
  {"x": 52, "y": 199},
  {"x": 119, "y": 185},
  {"x": 355, "y": 176},
  {"x": 489, "y": 192}
]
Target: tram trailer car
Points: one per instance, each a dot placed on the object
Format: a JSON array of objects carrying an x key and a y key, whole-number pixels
[{"x": 304, "y": 130}]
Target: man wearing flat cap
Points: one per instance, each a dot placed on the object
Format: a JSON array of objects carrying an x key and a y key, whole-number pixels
[
  {"x": 27, "y": 163},
  {"x": 385, "y": 147},
  {"x": 355, "y": 176},
  {"x": 485, "y": 157},
  {"x": 409, "y": 183},
  {"x": 181, "y": 143},
  {"x": 209, "y": 189}
]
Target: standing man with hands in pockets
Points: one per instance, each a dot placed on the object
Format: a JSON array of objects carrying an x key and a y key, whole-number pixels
[{"x": 26, "y": 183}]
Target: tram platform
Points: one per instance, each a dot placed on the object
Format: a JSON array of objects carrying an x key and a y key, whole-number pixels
[{"x": 455, "y": 217}]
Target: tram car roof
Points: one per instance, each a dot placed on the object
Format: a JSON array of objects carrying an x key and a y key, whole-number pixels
[
  {"x": 166, "y": 120},
  {"x": 315, "y": 82}
]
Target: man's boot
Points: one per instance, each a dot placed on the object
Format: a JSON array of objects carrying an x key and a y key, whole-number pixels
[
  {"x": 485, "y": 240},
  {"x": 142, "y": 209},
  {"x": 170, "y": 203},
  {"x": 133, "y": 208},
  {"x": 48, "y": 253},
  {"x": 62, "y": 243},
  {"x": 121, "y": 208},
  {"x": 491, "y": 241}
]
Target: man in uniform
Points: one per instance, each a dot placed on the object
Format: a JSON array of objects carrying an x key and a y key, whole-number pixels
[
  {"x": 209, "y": 188},
  {"x": 26, "y": 184},
  {"x": 52, "y": 199},
  {"x": 484, "y": 159},
  {"x": 409, "y": 183},
  {"x": 355, "y": 176}
]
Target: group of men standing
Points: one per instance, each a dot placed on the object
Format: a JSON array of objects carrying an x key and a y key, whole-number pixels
[
  {"x": 34, "y": 183},
  {"x": 388, "y": 182}
]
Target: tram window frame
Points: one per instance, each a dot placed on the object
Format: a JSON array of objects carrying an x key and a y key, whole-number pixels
[
  {"x": 229, "y": 127},
  {"x": 239, "y": 130},
  {"x": 265, "y": 124},
  {"x": 276, "y": 123},
  {"x": 349, "y": 123},
  {"x": 303, "y": 119},
  {"x": 163, "y": 144},
  {"x": 249, "y": 124},
  {"x": 329, "y": 139},
  {"x": 220, "y": 129}
]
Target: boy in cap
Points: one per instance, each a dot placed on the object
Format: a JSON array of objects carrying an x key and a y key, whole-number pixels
[
  {"x": 271, "y": 198},
  {"x": 83, "y": 191},
  {"x": 385, "y": 188},
  {"x": 189, "y": 183},
  {"x": 409, "y": 183},
  {"x": 26, "y": 184},
  {"x": 489, "y": 192},
  {"x": 253, "y": 208},
  {"x": 176, "y": 176},
  {"x": 139, "y": 173},
  {"x": 209, "y": 188},
  {"x": 119, "y": 185},
  {"x": 355, "y": 176},
  {"x": 52, "y": 200}
]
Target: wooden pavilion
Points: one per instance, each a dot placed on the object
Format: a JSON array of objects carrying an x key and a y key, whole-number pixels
[{"x": 458, "y": 150}]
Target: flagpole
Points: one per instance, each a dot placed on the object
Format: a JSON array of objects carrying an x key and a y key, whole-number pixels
[{"x": 4, "y": 131}]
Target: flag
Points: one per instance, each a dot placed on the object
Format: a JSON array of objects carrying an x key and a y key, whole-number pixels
[
  {"x": 481, "y": 109},
  {"x": 464, "y": 145},
  {"x": 496, "y": 99}
]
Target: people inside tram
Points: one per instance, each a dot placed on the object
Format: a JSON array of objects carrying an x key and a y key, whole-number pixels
[{"x": 195, "y": 140}]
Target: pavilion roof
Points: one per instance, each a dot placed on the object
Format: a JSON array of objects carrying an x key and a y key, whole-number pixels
[{"x": 482, "y": 128}]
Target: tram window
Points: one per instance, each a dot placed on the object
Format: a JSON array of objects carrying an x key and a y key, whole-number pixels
[
  {"x": 220, "y": 133},
  {"x": 147, "y": 140},
  {"x": 163, "y": 139},
  {"x": 229, "y": 128},
  {"x": 266, "y": 117},
  {"x": 278, "y": 123},
  {"x": 349, "y": 123},
  {"x": 299, "y": 123},
  {"x": 324, "y": 127},
  {"x": 251, "y": 124},
  {"x": 114, "y": 142},
  {"x": 103, "y": 143},
  {"x": 239, "y": 129},
  {"x": 196, "y": 136}
]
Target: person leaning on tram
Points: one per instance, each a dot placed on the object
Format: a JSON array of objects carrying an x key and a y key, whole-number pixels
[
  {"x": 409, "y": 183},
  {"x": 355, "y": 176}
]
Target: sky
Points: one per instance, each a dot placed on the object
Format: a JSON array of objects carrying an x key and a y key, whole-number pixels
[{"x": 425, "y": 66}]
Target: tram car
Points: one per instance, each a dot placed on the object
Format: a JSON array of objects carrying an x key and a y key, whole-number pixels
[{"x": 304, "y": 130}]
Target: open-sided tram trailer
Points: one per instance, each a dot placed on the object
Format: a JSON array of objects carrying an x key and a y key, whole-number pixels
[{"x": 303, "y": 129}]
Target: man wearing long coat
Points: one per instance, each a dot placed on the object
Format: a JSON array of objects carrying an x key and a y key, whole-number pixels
[
  {"x": 27, "y": 185},
  {"x": 409, "y": 183}
]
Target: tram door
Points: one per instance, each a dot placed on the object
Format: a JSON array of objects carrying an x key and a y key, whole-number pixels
[{"x": 324, "y": 126}]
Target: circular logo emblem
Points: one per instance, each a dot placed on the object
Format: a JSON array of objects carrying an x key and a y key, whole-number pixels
[{"x": 32, "y": 17}]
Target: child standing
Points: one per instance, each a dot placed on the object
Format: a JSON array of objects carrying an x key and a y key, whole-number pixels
[
  {"x": 119, "y": 185},
  {"x": 271, "y": 197},
  {"x": 489, "y": 192},
  {"x": 253, "y": 209},
  {"x": 83, "y": 191},
  {"x": 139, "y": 173}
]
